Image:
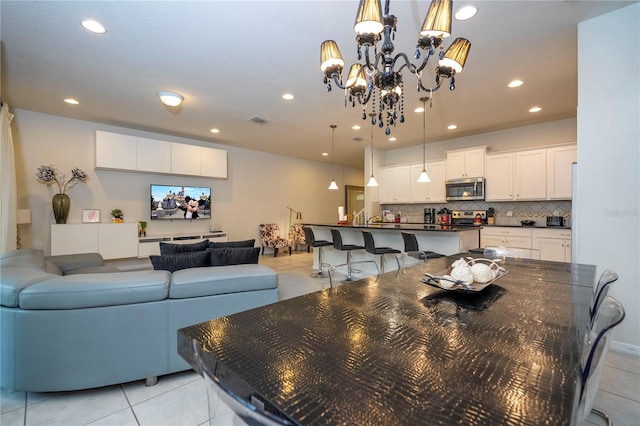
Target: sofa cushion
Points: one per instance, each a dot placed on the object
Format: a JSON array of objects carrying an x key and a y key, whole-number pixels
[
  {"x": 232, "y": 244},
  {"x": 69, "y": 262},
  {"x": 15, "y": 279},
  {"x": 96, "y": 290},
  {"x": 22, "y": 257},
  {"x": 175, "y": 262},
  {"x": 93, "y": 270},
  {"x": 197, "y": 282},
  {"x": 234, "y": 256},
  {"x": 171, "y": 248}
]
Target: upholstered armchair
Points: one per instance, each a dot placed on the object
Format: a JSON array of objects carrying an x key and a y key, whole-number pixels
[
  {"x": 298, "y": 237},
  {"x": 270, "y": 236}
]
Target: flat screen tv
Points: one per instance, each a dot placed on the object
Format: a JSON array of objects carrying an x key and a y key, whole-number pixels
[{"x": 169, "y": 202}]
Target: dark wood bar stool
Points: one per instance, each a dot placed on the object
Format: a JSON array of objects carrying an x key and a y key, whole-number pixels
[
  {"x": 370, "y": 247},
  {"x": 337, "y": 244},
  {"x": 312, "y": 242},
  {"x": 411, "y": 245}
]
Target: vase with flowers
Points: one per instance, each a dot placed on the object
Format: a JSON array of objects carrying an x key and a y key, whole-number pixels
[{"x": 61, "y": 201}]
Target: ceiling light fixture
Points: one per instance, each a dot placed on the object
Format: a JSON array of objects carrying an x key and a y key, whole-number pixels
[
  {"x": 372, "y": 180},
  {"x": 171, "y": 99},
  {"x": 424, "y": 176},
  {"x": 71, "y": 101},
  {"x": 356, "y": 127},
  {"x": 535, "y": 109},
  {"x": 377, "y": 78},
  {"x": 452, "y": 127},
  {"x": 287, "y": 96},
  {"x": 467, "y": 12},
  {"x": 333, "y": 184},
  {"x": 515, "y": 83},
  {"x": 214, "y": 131},
  {"x": 93, "y": 26}
]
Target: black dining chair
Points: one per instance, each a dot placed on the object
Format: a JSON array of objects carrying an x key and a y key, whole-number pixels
[
  {"x": 607, "y": 278},
  {"x": 370, "y": 247},
  {"x": 338, "y": 245},
  {"x": 609, "y": 315},
  {"x": 312, "y": 242},
  {"x": 411, "y": 246}
]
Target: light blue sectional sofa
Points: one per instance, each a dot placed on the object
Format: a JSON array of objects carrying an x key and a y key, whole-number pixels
[{"x": 70, "y": 322}]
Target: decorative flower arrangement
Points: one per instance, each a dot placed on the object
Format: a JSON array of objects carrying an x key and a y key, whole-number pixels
[{"x": 49, "y": 174}]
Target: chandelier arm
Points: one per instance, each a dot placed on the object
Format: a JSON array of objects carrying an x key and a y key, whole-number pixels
[
  {"x": 426, "y": 89},
  {"x": 337, "y": 82},
  {"x": 407, "y": 63},
  {"x": 424, "y": 62}
]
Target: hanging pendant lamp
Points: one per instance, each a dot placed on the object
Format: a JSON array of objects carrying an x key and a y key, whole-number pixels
[
  {"x": 424, "y": 176},
  {"x": 372, "y": 179},
  {"x": 333, "y": 184}
]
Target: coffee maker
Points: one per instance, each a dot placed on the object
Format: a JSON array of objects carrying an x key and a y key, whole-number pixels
[{"x": 429, "y": 215}]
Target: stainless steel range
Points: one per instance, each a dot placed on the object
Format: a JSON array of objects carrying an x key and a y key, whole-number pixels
[{"x": 469, "y": 217}]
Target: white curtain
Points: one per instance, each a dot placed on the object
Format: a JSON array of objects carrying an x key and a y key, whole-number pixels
[{"x": 8, "y": 193}]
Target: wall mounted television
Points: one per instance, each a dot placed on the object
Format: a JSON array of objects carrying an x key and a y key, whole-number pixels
[{"x": 179, "y": 202}]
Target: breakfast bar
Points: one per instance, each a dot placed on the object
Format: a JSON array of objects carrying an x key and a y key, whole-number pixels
[
  {"x": 391, "y": 350},
  {"x": 443, "y": 239}
]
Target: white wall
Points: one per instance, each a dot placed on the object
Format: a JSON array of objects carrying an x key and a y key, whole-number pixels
[
  {"x": 608, "y": 157},
  {"x": 550, "y": 133},
  {"x": 258, "y": 188}
]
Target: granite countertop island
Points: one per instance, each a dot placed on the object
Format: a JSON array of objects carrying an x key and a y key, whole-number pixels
[{"x": 400, "y": 226}]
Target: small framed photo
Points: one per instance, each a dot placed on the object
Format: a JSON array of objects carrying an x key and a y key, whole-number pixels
[{"x": 90, "y": 216}]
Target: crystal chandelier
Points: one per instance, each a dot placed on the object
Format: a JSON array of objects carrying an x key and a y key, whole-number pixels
[{"x": 379, "y": 80}]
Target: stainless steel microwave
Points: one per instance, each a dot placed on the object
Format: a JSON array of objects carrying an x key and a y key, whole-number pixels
[{"x": 465, "y": 189}]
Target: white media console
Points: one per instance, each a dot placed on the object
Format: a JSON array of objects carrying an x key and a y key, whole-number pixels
[{"x": 150, "y": 245}]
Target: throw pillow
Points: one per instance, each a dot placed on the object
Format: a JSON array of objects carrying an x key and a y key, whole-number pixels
[
  {"x": 234, "y": 256},
  {"x": 232, "y": 244},
  {"x": 175, "y": 262},
  {"x": 170, "y": 248}
]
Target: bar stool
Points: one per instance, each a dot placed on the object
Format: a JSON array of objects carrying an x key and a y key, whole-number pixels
[
  {"x": 312, "y": 242},
  {"x": 337, "y": 244},
  {"x": 411, "y": 245},
  {"x": 370, "y": 247}
]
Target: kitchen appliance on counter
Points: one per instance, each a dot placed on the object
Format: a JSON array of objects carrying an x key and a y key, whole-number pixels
[
  {"x": 555, "y": 221},
  {"x": 429, "y": 215},
  {"x": 465, "y": 189},
  {"x": 469, "y": 217}
]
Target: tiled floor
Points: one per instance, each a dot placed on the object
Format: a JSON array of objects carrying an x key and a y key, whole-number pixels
[{"x": 181, "y": 398}]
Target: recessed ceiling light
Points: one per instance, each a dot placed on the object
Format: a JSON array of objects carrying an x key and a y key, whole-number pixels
[
  {"x": 465, "y": 13},
  {"x": 214, "y": 130},
  {"x": 287, "y": 96},
  {"x": 452, "y": 127},
  {"x": 170, "y": 98},
  {"x": 419, "y": 109},
  {"x": 535, "y": 109},
  {"x": 71, "y": 101},
  {"x": 93, "y": 26},
  {"x": 392, "y": 139},
  {"x": 356, "y": 127},
  {"x": 324, "y": 154},
  {"x": 515, "y": 83}
]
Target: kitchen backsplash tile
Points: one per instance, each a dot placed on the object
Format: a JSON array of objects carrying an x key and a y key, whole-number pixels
[{"x": 537, "y": 211}]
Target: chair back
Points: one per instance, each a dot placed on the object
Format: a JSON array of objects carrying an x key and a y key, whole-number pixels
[
  {"x": 253, "y": 412},
  {"x": 410, "y": 241},
  {"x": 337, "y": 239},
  {"x": 369, "y": 242},
  {"x": 515, "y": 252},
  {"x": 269, "y": 231},
  {"x": 607, "y": 278},
  {"x": 297, "y": 231},
  {"x": 609, "y": 315},
  {"x": 309, "y": 236}
]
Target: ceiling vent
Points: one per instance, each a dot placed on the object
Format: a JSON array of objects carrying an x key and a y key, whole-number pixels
[{"x": 259, "y": 120}]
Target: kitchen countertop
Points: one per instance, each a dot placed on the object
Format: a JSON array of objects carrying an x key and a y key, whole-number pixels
[{"x": 402, "y": 226}]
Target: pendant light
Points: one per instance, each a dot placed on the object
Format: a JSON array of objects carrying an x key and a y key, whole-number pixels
[
  {"x": 333, "y": 184},
  {"x": 372, "y": 180},
  {"x": 424, "y": 177}
]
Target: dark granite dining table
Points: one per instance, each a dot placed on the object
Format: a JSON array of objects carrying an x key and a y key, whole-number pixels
[{"x": 391, "y": 350}]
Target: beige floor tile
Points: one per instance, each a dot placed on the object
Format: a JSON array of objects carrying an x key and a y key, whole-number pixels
[
  {"x": 121, "y": 418},
  {"x": 623, "y": 412},
  {"x": 620, "y": 383},
  {"x": 11, "y": 400},
  {"x": 137, "y": 392},
  {"x": 186, "y": 405},
  {"x": 12, "y": 418},
  {"x": 621, "y": 361}
]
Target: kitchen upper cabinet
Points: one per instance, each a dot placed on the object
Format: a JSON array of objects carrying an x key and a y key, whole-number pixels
[
  {"x": 553, "y": 244},
  {"x": 467, "y": 163},
  {"x": 428, "y": 192},
  {"x": 185, "y": 159},
  {"x": 114, "y": 151},
  {"x": 500, "y": 177},
  {"x": 560, "y": 172},
  {"x": 213, "y": 162},
  {"x": 531, "y": 175},
  {"x": 153, "y": 155},
  {"x": 395, "y": 187}
]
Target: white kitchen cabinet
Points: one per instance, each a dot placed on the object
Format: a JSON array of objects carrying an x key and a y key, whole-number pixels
[
  {"x": 559, "y": 171},
  {"x": 213, "y": 162},
  {"x": 395, "y": 187},
  {"x": 531, "y": 175},
  {"x": 467, "y": 163},
  {"x": 428, "y": 192},
  {"x": 153, "y": 156},
  {"x": 500, "y": 176},
  {"x": 115, "y": 151},
  {"x": 505, "y": 236},
  {"x": 111, "y": 240},
  {"x": 553, "y": 244}
]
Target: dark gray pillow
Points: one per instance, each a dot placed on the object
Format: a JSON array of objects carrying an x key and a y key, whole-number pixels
[
  {"x": 170, "y": 248},
  {"x": 232, "y": 244},
  {"x": 175, "y": 262},
  {"x": 234, "y": 256}
]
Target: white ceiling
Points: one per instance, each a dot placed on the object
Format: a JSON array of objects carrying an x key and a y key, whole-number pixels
[{"x": 233, "y": 60}]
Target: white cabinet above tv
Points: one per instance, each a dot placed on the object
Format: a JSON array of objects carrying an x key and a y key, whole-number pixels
[{"x": 130, "y": 153}]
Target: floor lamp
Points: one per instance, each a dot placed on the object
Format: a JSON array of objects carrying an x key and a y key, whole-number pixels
[
  {"x": 298, "y": 217},
  {"x": 23, "y": 217}
]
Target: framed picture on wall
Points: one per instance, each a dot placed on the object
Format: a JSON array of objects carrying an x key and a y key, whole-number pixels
[{"x": 91, "y": 216}]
